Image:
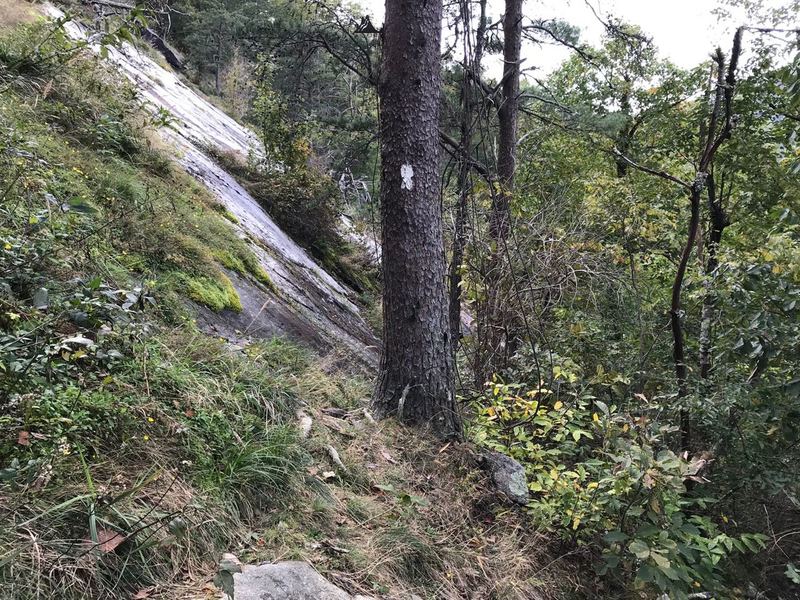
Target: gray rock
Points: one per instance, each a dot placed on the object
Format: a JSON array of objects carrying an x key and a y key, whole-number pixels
[
  {"x": 228, "y": 565},
  {"x": 41, "y": 299},
  {"x": 507, "y": 475},
  {"x": 290, "y": 580}
]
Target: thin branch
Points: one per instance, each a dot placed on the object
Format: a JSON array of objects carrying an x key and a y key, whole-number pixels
[{"x": 651, "y": 171}]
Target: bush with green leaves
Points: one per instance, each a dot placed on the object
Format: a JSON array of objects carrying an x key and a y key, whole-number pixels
[{"x": 605, "y": 478}]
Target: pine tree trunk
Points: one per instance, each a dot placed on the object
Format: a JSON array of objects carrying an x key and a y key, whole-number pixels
[{"x": 416, "y": 382}]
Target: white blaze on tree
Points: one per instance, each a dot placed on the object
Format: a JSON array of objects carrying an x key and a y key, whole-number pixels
[{"x": 407, "y": 177}]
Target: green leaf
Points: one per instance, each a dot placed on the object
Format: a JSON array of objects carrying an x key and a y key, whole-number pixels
[
  {"x": 615, "y": 536},
  {"x": 661, "y": 561},
  {"x": 646, "y": 531},
  {"x": 640, "y": 549},
  {"x": 646, "y": 573},
  {"x": 792, "y": 573}
]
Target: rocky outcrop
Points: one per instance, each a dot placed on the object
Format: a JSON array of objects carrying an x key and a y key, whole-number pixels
[
  {"x": 305, "y": 303},
  {"x": 172, "y": 56}
]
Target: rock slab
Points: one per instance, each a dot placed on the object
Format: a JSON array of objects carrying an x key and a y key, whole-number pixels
[{"x": 288, "y": 580}]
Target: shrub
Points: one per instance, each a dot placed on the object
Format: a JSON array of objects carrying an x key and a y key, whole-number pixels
[{"x": 603, "y": 477}]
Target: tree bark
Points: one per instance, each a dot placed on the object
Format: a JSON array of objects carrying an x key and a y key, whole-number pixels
[
  {"x": 625, "y": 134},
  {"x": 416, "y": 381},
  {"x": 678, "y": 352},
  {"x": 507, "y": 114}
]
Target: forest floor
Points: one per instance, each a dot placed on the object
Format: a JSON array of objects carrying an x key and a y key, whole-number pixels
[{"x": 402, "y": 514}]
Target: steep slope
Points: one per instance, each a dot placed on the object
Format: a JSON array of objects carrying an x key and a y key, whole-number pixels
[{"x": 306, "y": 304}]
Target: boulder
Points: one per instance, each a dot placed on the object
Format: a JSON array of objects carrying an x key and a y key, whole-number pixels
[
  {"x": 508, "y": 476},
  {"x": 289, "y": 580}
]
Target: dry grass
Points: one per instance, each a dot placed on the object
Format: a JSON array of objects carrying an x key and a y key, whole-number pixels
[
  {"x": 409, "y": 516},
  {"x": 16, "y": 12}
]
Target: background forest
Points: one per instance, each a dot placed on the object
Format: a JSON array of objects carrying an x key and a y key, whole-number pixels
[{"x": 622, "y": 239}]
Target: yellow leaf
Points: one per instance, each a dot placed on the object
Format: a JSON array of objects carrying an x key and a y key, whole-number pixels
[
  {"x": 575, "y": 522},
  {"x": 591, "y": 486},
  {"x": 553, "y": 473},
  {"x": 625, "y": 428},
  {"x": 655, "y": 505},
  {"x": 7, "y": 246},
  {"x": 558, "y": 405},
  {"x": 596, "y": 418}
]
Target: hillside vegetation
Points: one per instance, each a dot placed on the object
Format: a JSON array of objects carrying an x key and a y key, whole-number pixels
[
  {"x": 622, "y": 312},
  {"x": 137, "y": 449}
]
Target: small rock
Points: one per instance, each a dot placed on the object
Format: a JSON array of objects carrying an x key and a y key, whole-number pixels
[
  {"x": 304, "y": 423},
  {"x": 228, "y": 565},
  {"x": 507, "y": 475},
  {"x": 41, "y": 299}
]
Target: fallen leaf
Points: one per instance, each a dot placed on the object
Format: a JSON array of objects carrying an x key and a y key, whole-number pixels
[
  {"x": 328, "y": 474},
  {"x": 80, "y": 340},
  {"x": 24, "y": 438},
  {"x": 143, "y": 593},
  {"x": 108, "y": 539}
]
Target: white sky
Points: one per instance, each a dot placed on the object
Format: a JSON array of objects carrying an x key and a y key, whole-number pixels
[{"x": 685, "y": 31}]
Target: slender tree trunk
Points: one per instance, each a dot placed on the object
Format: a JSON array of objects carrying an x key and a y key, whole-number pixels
[
  {"x": 718, "y": 221},
  {"x": 471, "y": 63},
  {"x": 678, "y": 350},
  {"x": 624, "y": 136},
  {"x": 507, "y": 114},
  {"x": 217, "y": 66},
  {"x": 416, "y": 382},
  {"x": 495, "y": 340}
]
